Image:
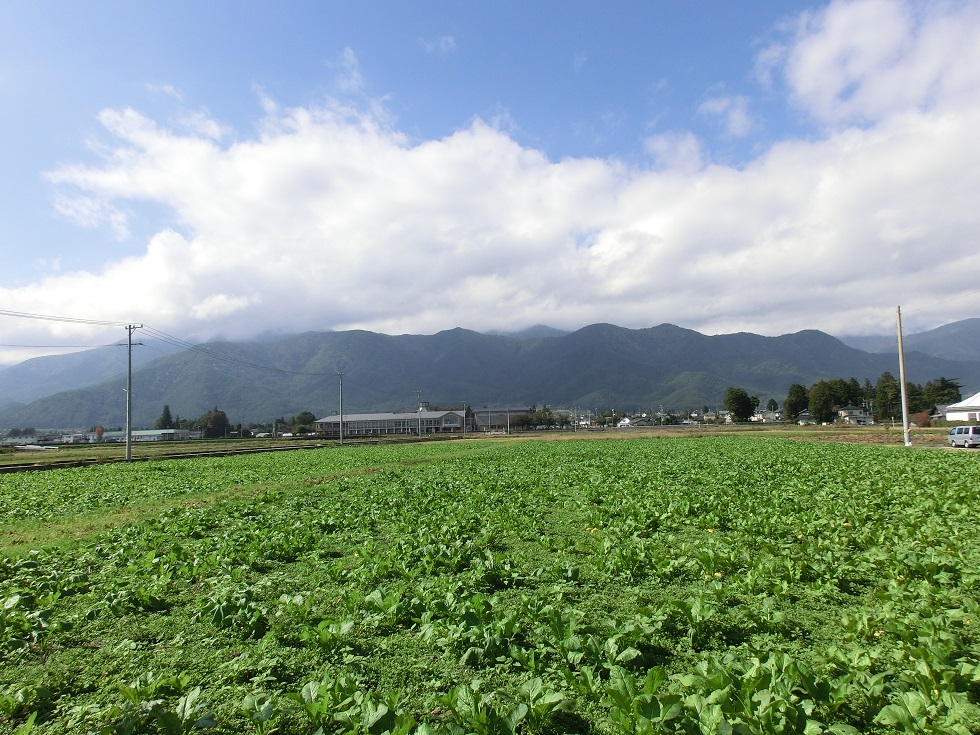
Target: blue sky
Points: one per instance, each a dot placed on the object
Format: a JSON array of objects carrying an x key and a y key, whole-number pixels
[{"x": 219, "y": 170}]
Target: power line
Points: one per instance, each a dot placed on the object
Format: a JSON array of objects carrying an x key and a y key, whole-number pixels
[
  {"x": 53, "y": 318},
  {"x": 163, "y": 337},
  {"x": 946, "y": 301},
  {"x": 59, "y": 347},
  {"x": 178, "y": 342}
]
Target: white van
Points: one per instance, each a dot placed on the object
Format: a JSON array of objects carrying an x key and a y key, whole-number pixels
[{"x": 965, "y": 436}]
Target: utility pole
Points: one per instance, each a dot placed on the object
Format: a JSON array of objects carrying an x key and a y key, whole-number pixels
[
  {"x": 130, "y": 328},
  {"x": 341, "y": 425},
  {"x": 901, "y": 376}
]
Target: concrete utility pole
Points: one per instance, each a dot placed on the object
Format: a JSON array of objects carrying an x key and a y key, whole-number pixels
[
  {"x": 341, "y": 425},
  {"x": 901, "y": 376},
  {"x": 130, "y": 328}
]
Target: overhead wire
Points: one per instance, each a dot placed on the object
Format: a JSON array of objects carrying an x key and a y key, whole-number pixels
[
  {"x": 61, "y": 347},
  {"x": 946, "y": 301},
  {"x": 159, "y": 335},
  {"x": 53, "y": 318},
  {"x": 178, "y": 342}
]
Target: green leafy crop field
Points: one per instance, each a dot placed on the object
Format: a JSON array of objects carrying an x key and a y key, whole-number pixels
[{"x": 718, "y": 584}]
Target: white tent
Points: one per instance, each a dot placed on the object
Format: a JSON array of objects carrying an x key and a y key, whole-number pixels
[{"x": 966, "y": 410}]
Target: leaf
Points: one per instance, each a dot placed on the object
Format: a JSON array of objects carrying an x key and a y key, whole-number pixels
[
  {"x": 515, "y": 716},
  {"x": 27, "y": 726},
  {"x": 842, "y": 729},
  {"x": 377, "y": 718}
]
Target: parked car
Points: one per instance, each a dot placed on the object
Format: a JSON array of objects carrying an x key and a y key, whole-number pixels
[{"x": 965, "y": 436}]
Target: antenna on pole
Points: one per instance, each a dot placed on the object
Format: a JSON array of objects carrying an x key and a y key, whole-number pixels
[{"x": 901, "y": 376}]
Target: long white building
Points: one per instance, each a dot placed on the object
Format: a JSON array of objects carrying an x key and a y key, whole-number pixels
[{"x": 377, "y": 424}]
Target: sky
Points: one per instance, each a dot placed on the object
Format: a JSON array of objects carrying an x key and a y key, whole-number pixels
[{"x": 226, "y": 170}]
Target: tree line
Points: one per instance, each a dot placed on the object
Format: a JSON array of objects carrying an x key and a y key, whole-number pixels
[
  {"x": 215, "y": 424},
  {"x": 883, "y": 399}
]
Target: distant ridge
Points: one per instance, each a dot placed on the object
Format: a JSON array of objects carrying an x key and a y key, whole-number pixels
[
  {"x": 538, "y": 331},
  {"x": 600, "y": 366},
  {"x": 41, "y": 376},
  {"x": 956, "y": 341}
]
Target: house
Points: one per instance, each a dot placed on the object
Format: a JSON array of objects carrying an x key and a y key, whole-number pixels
[
  {"x": 805, "y": 418},
  {"x": 966, "y": 410},
  {"x": 855, "y": 415},
  {"x": 377, "y": 424}
]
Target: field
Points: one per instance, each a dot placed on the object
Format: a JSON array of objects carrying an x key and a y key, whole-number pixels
[{"x": 691, "y": 584}]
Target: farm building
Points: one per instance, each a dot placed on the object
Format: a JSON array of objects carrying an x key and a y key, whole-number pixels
[
  {"x": 966, "y": 410},
  {"x": 149, "y": 435},
  {"x": 496, "y": 419},
  {"x": 376, "y": 424}
]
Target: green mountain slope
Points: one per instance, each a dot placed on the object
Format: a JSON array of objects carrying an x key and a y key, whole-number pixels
[{"x": 600, "y": 366}]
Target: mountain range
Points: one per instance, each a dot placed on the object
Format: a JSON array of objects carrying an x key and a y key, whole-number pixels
[{"x": 600, "y": 366}]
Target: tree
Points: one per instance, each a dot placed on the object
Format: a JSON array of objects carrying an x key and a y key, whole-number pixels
[
  {"x": 914, "y": 393},
  {"x": 303, "y": 421},
  {"x": 165, "y": 421},
  {"x": 887, "y": 397},
  {"x": 796, "y": 402},
  {"x": 823, "y": 401},
  {"x": 738, "y": 403},
  {"x": 941, "y": 390},
  {"x": 213, "y": 424},
  {"x": 521, "y": 421},
  {"x": 772, "y": 405}
]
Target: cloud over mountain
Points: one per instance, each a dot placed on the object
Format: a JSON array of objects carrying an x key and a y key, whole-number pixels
[{"x": 329, "y": 216}]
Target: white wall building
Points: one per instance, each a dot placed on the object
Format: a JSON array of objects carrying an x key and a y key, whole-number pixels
[{"x": 966, "y": 410}]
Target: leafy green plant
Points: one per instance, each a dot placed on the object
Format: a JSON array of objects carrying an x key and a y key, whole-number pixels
[
  {"x": 260, "y": 709},
  {"x": 235, "y": 609}
]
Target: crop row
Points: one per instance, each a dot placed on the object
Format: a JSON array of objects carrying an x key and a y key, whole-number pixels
[{"x": 625, "y": 587}]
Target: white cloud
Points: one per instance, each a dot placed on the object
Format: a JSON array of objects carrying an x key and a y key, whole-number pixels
[
  {"x": 89, "y": 211},
  {"x": 349, "y": 80},
  {"x": 219, "y": 305},
  {"x": 733, "y": 111},
  {"x": 443, "y": 45},
  {"x": 200, "y": 123},
  {"x": 166, "y": 89},
  {"x": 864, "y": 60},
  {"x": 680, "y": 151},
  {"x": 328, "y": 218}
]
